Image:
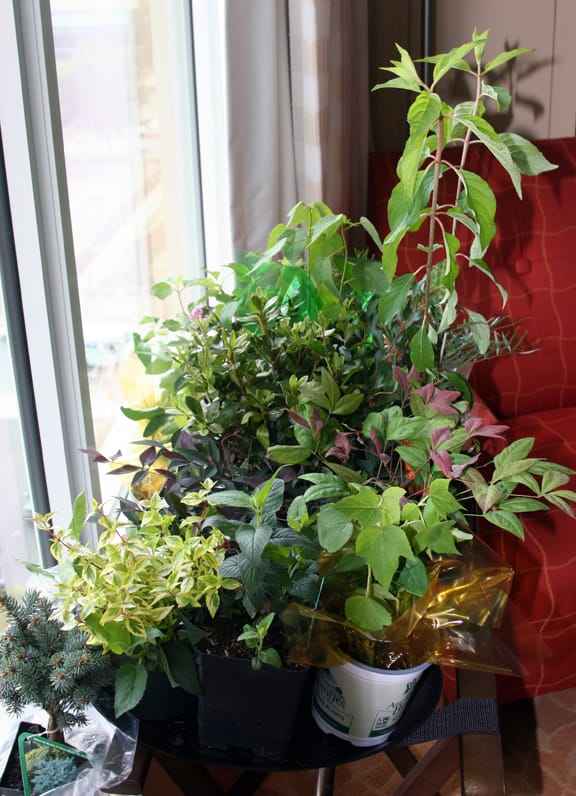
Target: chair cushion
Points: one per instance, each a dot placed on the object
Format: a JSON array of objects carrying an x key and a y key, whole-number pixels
[{"x": 543, "y": 591}]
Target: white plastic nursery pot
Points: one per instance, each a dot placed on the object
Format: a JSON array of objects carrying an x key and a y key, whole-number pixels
[{"x": 362, "y": 704}]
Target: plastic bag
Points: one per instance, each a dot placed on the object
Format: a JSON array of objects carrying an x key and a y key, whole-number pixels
[
  {"x": 110, "y": 749},
  {"x": 462, "y": 620}
]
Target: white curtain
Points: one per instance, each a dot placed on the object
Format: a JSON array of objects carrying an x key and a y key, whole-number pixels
[
  {"x": 260, "y": 146},
  {"x": 330, "y": 97},
  {"x": 297, "y": 77}
]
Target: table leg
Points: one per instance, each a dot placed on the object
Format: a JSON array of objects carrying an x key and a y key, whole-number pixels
[
  {"x": 432, "y": 770},
  {"x": 325, "y": 781}
]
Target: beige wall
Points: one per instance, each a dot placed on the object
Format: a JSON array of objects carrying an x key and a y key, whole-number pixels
[{"x": 541, "y": 82}]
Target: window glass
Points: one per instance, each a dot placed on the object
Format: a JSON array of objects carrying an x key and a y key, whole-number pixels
[
  {"x": 18, "y": 540},
  {"x": 126, "y": 98}
]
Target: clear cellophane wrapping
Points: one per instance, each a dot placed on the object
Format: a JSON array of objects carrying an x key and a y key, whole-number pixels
[{"x": 465, "y": 619}]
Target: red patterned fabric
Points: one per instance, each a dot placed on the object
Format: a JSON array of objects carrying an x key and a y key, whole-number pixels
[
  {"x": 533, "y": 256},
  {"x": 544, "y": 588}
]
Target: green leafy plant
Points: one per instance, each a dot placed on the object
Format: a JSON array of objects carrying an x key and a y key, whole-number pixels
[
  {"x": 43, "y": 663},
  {"x": 254, "y": 637},
  {"x": 130, "y": 593},
  {"x": 326, "y": 396}
]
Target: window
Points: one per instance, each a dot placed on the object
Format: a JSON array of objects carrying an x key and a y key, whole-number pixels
[{"x": 102, "y": 153}]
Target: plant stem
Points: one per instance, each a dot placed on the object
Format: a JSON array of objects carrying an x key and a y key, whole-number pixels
[
  {"x": 433, "y": 214},
  {"x": 467, "y": 138}
]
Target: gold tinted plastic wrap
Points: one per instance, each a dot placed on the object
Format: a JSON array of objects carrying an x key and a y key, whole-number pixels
[{"x": 459, "y": 621}]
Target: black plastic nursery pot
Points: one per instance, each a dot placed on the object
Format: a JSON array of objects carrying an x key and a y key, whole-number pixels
[
  {"x": 244, "y": 708},
  {"x": 11, "y": 779},
  {"x": 161, "y": 701}
]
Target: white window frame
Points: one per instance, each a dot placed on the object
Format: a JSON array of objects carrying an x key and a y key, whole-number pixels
[{"x": 31, "y": 134}]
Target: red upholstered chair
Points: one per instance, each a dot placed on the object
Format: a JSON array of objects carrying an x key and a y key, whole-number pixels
[{"x": 534, "y": 257}]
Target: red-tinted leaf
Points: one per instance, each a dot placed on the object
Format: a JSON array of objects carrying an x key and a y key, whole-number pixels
[{"x": 148, "y": 456}]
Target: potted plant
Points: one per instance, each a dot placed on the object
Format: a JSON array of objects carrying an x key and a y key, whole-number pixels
[
  {"x": 352, "y": 379},
  {"x": 129, "y": 593},
  {"x": 44, "y": 665},
  {"x": 318, "y": 416}
]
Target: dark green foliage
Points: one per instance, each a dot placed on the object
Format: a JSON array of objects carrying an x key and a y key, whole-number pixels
[{"x": 43, "y": 664}]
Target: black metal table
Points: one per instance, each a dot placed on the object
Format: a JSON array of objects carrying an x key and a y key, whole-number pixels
[{"x": 175, "y": 744}]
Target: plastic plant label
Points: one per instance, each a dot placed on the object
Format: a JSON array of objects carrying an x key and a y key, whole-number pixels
[{"x": 47, "y": 764}]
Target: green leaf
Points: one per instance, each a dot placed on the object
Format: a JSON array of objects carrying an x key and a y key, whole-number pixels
[
  {"x": 141, "y": 414},
  {"x": 182, "y": 666},
  {"x": 449, "y": 313},
  {"x": 129, "y": 686},
  {"x": 297, "y": 514},
  {"x": 487, "y": 495},
  {"x": 325, "y": 485},
  {"x": 437, "y": 538},
  {"x": 326, "y": 226},
  {"x": 269, "y": 495},
  {"x": 391, "y": 500},
  {"x": 556, "y": 499},
  {"x": 271, "y": 657},
  {"x": 480, "y": 330},
  {"x": 506, "y": 520},
  {"x": 364, "y": 506},
  {"x": 407, "y": 75},
  {"x": 232, "y": 498},
  {"x": 382, "y": 548},
  {"x": 253, "y": 542},
  {"x": 513, "y": 452},
  {"x": 413, "y": 577},
  {"x": 288, "y": 454},
  {"x": 421, "y": 351},
  {"x": 392, "y": 303},
  {"x": 350, "y": 563},
  {"x": 479, "y": 198},
  {"x": 500, "y": 95},
  {"x": 369, "y": 227},
  {"x": 552, "y": 479},
  {"x": 491, "y": 140},
  {"x": 521, "y": 504},
  {"x": 442, "y": 499},
  {"x": 449, "y": 60},
  {"x": 504, "y": 57},
  {"x": 366, "y": 613},
  {"x": 334, "y": 528},
  {"x": 330, "y": 387},
  {"x": 422, "y": 116},
  {"x": 526, "y": 155},
  {"x": 115, "y": 634},
  {"x": 348, "y": 404},
  {"x": 414, "y": 457},
  {"x": 405, "y": 208},
  {"x": 511, "y": 469},
  {"x": 162, "y": 290},
  {"x": 78, "y": 516}
]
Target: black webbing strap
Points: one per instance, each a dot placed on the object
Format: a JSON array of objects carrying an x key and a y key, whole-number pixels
[{"x": 462, "y": 717}]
